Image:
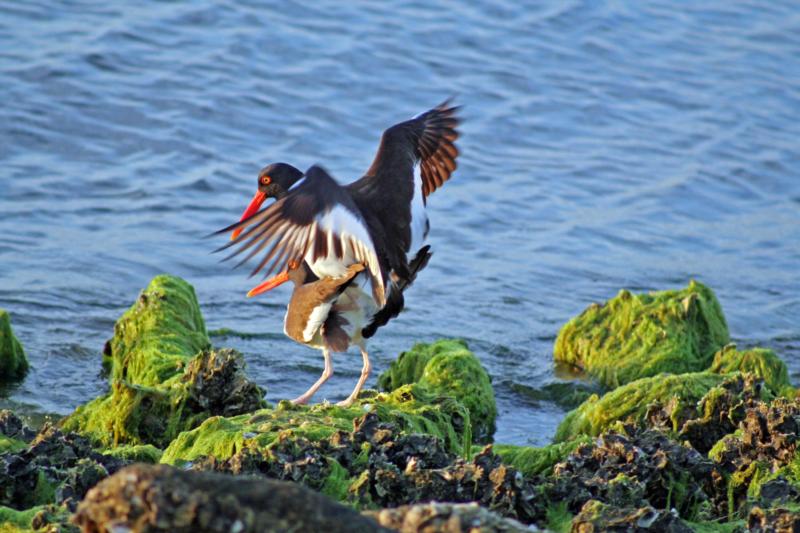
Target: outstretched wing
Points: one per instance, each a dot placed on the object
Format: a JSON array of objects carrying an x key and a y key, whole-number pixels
[
  {"x": 428, "y": 140},
  {"x": 424, "y": 144},
  {"x": 316, "y": 222}
]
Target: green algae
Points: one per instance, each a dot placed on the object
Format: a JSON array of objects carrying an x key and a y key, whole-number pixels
[
  {"x": 35, "y": 519},
  {"x": 633, "y": 336},
  {"x": 7, "y": 444},
  {"x": 761, "y": 362},
  {"x": 13, "y": 363},
  {"x": 538, "y": 461},
  {"x": 413, "y": 409},
  {"x": 19, "y": 519},
  {"x": 632, "y": 400},
  {"x": 558, "y": 518},
  {"x": 448, "y": 368},
  {"x": 143, "y": 453},
  {"x": 154, "y": 352}
]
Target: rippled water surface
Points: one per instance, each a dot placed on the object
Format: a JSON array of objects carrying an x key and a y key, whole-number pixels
[{"x": 631, "y": 145}]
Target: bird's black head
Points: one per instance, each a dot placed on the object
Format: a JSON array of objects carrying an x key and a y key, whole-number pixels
[{"x": 276, "y": 179}]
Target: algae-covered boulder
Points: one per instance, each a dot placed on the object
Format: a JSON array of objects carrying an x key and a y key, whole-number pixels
[
  {"x": 164, "y": 377},
  {"x": 760, "y": 362},
  {"x": 448, "y": 367},
  {"x": 412, "y": 409},
  {"x": 633, "y": 336},
  {"x": 160, "y": 498},
  {"x": 13, "y": 363},
  {"x": 633, "y": 401}
]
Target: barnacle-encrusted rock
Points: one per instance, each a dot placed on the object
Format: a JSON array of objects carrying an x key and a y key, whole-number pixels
[
  {"x": 634, "y": 336},
  {"x": 721, "y": 410},
  {"x": 55, "y": 468},
  {"x": 164, "y": 377},
  {"x": 377, "y": 465},
  {"x": 447, "y": 367},
  {"x": 13, "y": 363},
  {"x": 766, "y": 443},
  {"x": 597, "y": 516},
  {"x": 779, "y": 519},
  {"x": 643, "y": 468},
  {"x": 147, "y": 498},
  {"x": 445, "y": 518}
]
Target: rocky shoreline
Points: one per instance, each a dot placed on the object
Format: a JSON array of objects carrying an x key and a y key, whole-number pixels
[{"x": 688, "y": 433}]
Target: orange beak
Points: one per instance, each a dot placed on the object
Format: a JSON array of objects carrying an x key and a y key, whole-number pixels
[
  {"x": 251, "y": 210},
  {"x": 270, "y": 284},
  {"x": 274, "y": 281}
]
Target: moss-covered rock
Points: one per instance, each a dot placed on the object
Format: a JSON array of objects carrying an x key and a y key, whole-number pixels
[
  {"x": 411, "y": 408},
  {"x": 13, "y": 363},
  {"x": 760, "y": 362},
  {"x": 164, "y": 377},
  {"x": 633, "y": 400},
  {"x": 448, "y": 368},
  {"x": 633, "y": 336}
]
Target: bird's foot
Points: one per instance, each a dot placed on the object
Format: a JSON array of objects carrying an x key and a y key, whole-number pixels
[{"x": 346, "y": 403}]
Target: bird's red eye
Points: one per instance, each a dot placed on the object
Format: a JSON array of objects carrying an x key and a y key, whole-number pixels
[{"x": 265, "y": 180}]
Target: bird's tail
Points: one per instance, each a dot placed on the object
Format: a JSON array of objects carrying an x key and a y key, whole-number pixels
[{"x": 395, "y": 301}]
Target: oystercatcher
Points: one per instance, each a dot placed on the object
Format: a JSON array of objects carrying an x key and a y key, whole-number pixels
[{"x": 317, "y": 230}]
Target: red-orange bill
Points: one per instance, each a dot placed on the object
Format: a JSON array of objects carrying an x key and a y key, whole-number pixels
[
  {"x": 270, "y": 284},
  {"x": 251, "y": 210}
]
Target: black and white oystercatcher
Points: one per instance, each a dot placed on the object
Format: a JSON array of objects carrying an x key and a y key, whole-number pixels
[{"x": 348, "y": 248}]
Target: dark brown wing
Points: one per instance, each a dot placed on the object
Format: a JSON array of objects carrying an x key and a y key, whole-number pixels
[{"x": 426, "y": 140}]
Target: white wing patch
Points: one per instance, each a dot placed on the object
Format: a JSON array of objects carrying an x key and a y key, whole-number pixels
[
  {"x": 341, "y": 224},
  {"x": 419, "y": 218}
]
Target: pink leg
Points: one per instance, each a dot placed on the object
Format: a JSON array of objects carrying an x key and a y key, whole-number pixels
[
  {"x": 326, "y": 373},
  {"x": 365, "y": 370}
]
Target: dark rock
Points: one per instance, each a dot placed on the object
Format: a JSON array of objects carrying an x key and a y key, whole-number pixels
[
  {"x": 13, "y": 427},
  {"x": 640, "y": 469},
  {"x": 219, "y": 384},
  {"x": 381, "y": 467},
  {"x": 767, "y": 440},
  {"x": 721, "y": 410},
  {"x": 147, "y": 498},
  {"x": 56, "y": 468}
]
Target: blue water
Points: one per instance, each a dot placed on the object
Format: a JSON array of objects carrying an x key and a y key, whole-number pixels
[{"x": 605, "y": 145}]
